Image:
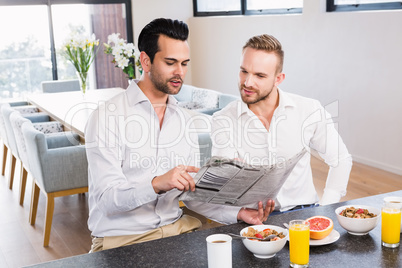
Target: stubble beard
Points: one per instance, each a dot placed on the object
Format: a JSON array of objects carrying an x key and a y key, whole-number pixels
[
  {"x": 162, "y": 85},
  {"x": 257, "y": 98}
]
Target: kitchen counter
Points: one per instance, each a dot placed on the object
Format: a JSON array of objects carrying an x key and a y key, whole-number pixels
[{"x": 190, "y": 250}]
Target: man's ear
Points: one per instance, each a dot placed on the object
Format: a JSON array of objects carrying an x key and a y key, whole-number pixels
[
  {"x": 279, "y": 79},
  {"x": 145, "y": 62}
]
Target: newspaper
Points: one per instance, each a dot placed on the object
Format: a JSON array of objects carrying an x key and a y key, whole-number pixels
[{"x": 235, "y": 183}]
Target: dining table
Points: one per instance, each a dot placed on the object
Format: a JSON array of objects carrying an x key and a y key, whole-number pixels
[
  {"x": 190, "y": 250},
  {"x": 72, "y": 108}
]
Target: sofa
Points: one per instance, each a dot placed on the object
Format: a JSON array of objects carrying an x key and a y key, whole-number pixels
[
  {"x": 202, "y": 103},
  {"x": 206, "y": 101}
]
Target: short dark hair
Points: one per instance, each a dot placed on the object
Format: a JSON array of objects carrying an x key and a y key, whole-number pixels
[{"x": 149, "y": 36}]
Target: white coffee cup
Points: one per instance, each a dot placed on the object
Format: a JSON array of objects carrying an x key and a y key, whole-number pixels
[
  {"x": 219, "y": 248},
  {"x": 396, "y": 200}
]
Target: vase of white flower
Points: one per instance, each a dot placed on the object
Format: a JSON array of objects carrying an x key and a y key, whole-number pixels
[
  {"x": 125, "y": 55},
  {"x": 82, "y": 77},
  {"x": 80, "y": 51}
]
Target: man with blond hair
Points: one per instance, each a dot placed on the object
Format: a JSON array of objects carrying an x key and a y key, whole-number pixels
[{"x": 269, "y": 126}]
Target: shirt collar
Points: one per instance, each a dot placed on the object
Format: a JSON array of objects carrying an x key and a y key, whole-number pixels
[
  {"x": 135, "y": 95},
  {"x": 285, "y": 101},
  {"x": 172, "y": 100}
]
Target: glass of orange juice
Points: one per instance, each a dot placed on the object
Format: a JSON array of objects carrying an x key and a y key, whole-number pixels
[
  {"x": 390, "y": 225},
  {"x": 299, "y": 243}
]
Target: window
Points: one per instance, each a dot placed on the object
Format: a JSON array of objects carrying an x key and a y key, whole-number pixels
[
  {"x": 30, "y": 53},
  {"x": 24, "y": 50},
  {"x": 356, "y": 5},
  {"x": 213, "y": 7},
  {"x": 246, "y": 7},
  {"x": 273, "y": 6}
]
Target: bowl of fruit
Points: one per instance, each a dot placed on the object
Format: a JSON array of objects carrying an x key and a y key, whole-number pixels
[{"x": 358, "y": 219}]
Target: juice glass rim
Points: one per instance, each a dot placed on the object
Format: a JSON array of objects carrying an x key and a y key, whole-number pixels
[
  {"x": 302, "y": 222},
  {"x": 392, "y": 206}
]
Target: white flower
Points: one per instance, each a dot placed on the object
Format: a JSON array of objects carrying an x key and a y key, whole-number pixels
[
  {"x": 113, "y": 38},
  {"x": 116, "y": 51},
  {"x": 79, "y": 41},
  {"x": 129, "y": 49},
  {"x": 120, "y": 42},
  {"x": 92, "y": 40},
  {"x": 80, "y": 50},
  {"x": 122, "y": 62},
  {"x": 136, "y": 52},
  {"x": 122, "y": 53}
]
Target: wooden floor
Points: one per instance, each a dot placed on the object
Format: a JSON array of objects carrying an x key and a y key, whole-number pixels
[
  {"x": 21, "y": 243},
  {"x": 364, "y": 180}
]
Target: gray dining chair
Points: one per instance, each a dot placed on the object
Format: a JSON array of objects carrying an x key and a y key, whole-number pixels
[
  {"x": 52, "y": 128},
  {"x": 30, "y": 112},
  {"x": 60, "y": 86},
  {"x": 3, "y": 133},
  {"x": 57, "y": 171}
]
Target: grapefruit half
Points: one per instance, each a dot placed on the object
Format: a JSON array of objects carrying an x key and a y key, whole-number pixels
[{"x": 320, "y": 227}]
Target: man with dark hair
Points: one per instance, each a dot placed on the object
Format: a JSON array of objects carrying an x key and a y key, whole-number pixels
[
  {"x": 140, "y": 152},
  {"x": 148, "y": 38},
  {"x": 270, "y": 126}
]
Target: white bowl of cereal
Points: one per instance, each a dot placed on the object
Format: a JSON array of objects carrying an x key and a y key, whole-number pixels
[
  {"x": 264, "y": 249},
  {"x": 358, "y": 219}
]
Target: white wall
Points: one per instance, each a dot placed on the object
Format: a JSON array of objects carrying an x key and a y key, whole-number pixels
[{"x": 351, "y": 58}]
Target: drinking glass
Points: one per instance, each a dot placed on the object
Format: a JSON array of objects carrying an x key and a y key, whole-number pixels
[
  {"x": 390, "y": 225},
  {"x": 397, "y": 200},
  {"x": 299, "y": 243}
]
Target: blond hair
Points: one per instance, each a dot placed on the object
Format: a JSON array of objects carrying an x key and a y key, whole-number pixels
[{"x": 267, "y": 43}]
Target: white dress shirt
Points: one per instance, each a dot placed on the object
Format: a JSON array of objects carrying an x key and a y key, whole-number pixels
[
  {"x": 297, "y": 123},
  {"x": 126, "y": 149}
]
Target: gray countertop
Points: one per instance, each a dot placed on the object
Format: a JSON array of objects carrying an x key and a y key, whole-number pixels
[{"x": 190, "y": 250}]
